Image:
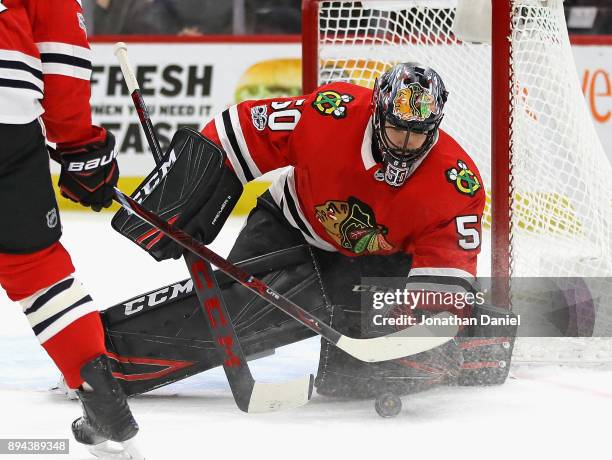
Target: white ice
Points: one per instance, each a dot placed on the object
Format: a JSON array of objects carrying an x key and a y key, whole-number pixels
[{"x": 541, "y": 412}]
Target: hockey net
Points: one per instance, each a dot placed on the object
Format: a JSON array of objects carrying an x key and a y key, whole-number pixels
[{"x": 553, "y": 203}]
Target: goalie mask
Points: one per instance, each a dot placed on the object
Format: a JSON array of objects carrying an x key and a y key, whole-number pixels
[{"x": 408, "y": 103}]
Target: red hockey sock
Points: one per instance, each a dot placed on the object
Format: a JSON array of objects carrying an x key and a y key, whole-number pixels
[
  {"x": 21, "y": 275},
  {"x": 75, "y": 345}
]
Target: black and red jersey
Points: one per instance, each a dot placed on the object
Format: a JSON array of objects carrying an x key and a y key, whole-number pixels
[
  {"x": 45, "y": 67},
  {"x": 331, "y": 189}
]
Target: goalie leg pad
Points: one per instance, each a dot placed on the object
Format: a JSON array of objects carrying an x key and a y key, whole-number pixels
[
  {"x": 346, "y": 280},
  {"x": 191, "y": 188},
  {"x": 487, "y": 352},
  {"x": 341, "y": 375},
  {"x": 162, "y": 336}
]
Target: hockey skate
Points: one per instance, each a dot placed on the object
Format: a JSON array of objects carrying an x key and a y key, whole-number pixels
[
  {"x": 62, "y": 388},
  {"x": 107, "y": 426}
]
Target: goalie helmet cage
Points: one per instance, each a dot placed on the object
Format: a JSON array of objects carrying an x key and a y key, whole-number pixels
[{"x": 516, "y": 106}]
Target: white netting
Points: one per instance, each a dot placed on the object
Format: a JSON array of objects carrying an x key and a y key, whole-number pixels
[{"x": 562, "y": 200}]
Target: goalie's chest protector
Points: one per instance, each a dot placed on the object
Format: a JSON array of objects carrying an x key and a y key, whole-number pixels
[{"x": 337, "y": 187}]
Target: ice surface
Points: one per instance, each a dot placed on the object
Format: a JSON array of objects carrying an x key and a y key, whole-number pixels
[{"x": 552, "y": 411}]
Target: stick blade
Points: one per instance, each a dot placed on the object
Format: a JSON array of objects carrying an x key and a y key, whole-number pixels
[
  {"x": 409, "y": 341},
  {"x": 269, "y": 397}
]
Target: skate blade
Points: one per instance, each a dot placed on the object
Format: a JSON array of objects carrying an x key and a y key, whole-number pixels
[{"x": 110, "y": 450}]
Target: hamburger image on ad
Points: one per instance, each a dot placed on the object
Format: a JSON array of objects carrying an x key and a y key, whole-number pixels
[
  {"x": 270, "y": 79},
  {"x": 283, "y": 77}
]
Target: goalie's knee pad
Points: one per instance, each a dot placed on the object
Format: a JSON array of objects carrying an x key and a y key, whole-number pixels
[{"x": 192, "y": 188}]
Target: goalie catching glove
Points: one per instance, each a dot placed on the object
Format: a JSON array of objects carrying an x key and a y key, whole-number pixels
[
  {"x": 89, "y": 171},
  {"x": 192, "y": 188}
]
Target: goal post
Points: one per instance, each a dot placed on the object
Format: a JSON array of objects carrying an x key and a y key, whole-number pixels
[{"x": 501, "y": 147}]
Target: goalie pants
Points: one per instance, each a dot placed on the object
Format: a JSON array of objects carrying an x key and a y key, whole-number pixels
[{"x": 35, "y": 269}]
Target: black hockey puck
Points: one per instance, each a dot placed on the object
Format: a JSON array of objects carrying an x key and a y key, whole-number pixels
[{"x": 388, "y": 405}]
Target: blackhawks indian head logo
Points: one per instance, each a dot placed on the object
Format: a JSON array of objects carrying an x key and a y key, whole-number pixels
[
  {"x": 332, "y": 103},
  {"x": 464, "y": 180},
  {"x": 352, "y": 226},
  {"x": 414, "y": 103}
]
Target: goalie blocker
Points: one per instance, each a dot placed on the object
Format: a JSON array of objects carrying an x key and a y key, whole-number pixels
[{"x": 192, "y": 188}]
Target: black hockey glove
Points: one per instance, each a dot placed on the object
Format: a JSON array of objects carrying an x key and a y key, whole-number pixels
[
  {"x": 89, "y": 171},
  {"x": 191, "y": 188}
]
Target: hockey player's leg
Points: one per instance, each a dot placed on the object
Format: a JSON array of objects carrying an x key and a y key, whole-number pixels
[{"x": 35, "y": 269}]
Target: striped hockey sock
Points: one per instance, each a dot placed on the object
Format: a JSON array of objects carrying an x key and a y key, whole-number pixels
[{"x": 67, "y": 325}]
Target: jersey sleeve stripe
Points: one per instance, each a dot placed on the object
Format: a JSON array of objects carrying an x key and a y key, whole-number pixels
[
  {"x": 227, "y": 147},
  {"x": 30, "y": 61},
  {"x": 19, "y": 75},
  {"x": 231, "y": 135},
  {"x": 21, "y": 66},
  {"x": 64, "y": 59},
  {"x": 244, "y": 148},
  {"x": 66, "y": 49},
  {"x": 10, "y": 83},
  {"x": 52, "y": 68}
]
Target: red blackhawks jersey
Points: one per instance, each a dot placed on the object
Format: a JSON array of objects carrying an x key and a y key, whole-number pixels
[
  {"x": 331, "y": 189},
  {"x": 45, "y": 66}
]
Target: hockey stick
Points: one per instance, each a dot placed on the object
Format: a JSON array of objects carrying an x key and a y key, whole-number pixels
[
  {"x": 406, "y": 342},
  {"x": 250, "y": 396}
]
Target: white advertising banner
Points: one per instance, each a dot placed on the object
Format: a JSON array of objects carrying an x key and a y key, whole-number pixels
[{"x": 185, "y": 84}]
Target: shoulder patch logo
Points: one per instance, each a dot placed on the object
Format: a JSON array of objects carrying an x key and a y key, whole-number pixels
[
  {"x": 464, "y": 180},
  {"x": 332, "y": 103},
  {"x": 352, "y": 225},
  {"x": 259, "y": 116}
]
